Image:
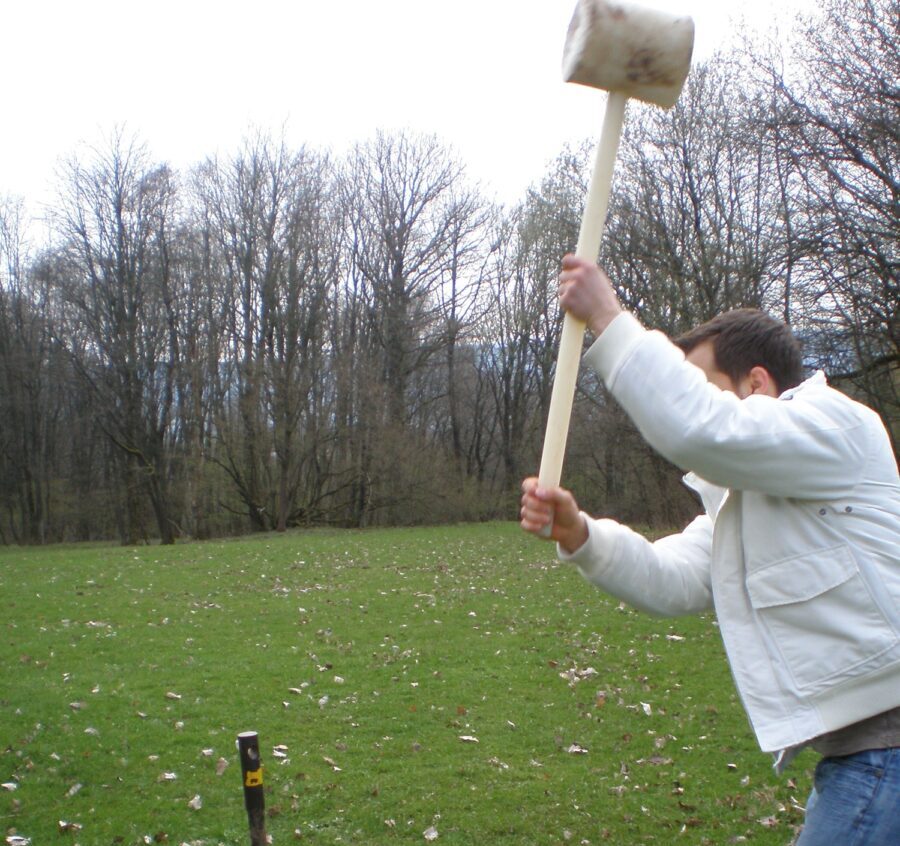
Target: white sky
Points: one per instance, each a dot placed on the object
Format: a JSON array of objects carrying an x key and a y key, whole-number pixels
[{"x": 189, "y": 78}]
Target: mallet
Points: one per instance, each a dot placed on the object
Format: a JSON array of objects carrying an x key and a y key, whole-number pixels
[{"x": 629, "y": 51}]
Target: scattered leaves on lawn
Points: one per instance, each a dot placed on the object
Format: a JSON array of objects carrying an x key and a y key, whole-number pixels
[{"x": 402, "y": 693}]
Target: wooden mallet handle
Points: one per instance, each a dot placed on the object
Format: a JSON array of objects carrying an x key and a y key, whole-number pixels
[{"x": 589, "y": 238}]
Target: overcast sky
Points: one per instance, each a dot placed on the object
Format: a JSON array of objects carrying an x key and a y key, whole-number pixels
[{"x": 190, "y": 77}]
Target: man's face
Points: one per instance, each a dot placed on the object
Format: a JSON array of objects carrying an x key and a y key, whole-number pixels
[{"x": 704, "y": 357}]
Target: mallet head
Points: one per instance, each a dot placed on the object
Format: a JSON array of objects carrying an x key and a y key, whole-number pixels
[{"x": 640, "y": 52}]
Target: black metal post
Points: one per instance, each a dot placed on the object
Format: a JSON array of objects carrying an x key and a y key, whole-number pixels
[{"x": 252, "y": 774}]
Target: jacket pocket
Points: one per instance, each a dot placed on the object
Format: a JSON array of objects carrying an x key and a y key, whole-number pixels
[{"x": 821, "y": 616}]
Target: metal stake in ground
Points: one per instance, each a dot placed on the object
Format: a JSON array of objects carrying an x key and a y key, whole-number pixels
[{"x": 252, "y": 774}]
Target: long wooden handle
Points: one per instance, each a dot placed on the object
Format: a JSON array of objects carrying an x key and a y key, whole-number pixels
[{"x": 593, "y": 222}]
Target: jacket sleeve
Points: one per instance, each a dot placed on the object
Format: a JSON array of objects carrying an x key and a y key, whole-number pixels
[
  {"x": 808, "y": 444},
  {"x": 668, "y": 577}
]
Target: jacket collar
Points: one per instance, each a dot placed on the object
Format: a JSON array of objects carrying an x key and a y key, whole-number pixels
[
  {"x": 816, "y": 380},
  {"x": 711, "y": 495}
]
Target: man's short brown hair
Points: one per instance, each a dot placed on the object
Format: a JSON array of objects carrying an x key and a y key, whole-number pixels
[{"x": 746, "y": 338}]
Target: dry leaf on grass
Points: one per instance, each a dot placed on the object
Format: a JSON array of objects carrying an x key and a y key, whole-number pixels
[
  {"x": 65, "y": 826},
  {"x": 574, "y": 675}
]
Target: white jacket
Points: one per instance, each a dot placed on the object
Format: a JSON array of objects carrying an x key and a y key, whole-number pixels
[{"x": 799, "y": 548}]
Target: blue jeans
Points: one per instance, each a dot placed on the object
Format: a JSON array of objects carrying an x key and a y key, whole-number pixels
[{"x": 855, "y": 801}]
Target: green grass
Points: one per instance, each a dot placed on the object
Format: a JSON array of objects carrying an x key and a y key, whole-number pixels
[{"x": 417, "y": 638}]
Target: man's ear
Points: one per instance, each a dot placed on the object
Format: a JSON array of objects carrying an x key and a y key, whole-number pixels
[{"x": 761, "y": 382}]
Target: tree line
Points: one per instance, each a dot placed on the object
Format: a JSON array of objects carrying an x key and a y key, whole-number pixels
[{"x": 280, "y": 337}]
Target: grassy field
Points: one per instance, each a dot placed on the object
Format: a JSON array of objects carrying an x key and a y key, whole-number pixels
[{"x": 452, "y": 685}]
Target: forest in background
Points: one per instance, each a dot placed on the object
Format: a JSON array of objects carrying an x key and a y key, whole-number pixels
[{"x": 280, "y": 337}]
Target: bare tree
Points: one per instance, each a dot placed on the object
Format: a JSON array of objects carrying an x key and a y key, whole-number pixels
[
  {"x": 301, "y": 401},
  {"x": 114, "y": 224},
  {"x": 400, "y": 195},
  {"x": 507, "y": 355},
  {"x": 29, "y": 400},
  {"x": 408, "y": 218},
  {"x": 522, "y": 325},
  {"x": 268, "y": 211},
  {"x": 839, "y": 122},
  {"x": 459, "y": 302},
  {"x": 694, "y": 228},
  {"x": 198, "y": 377}
]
